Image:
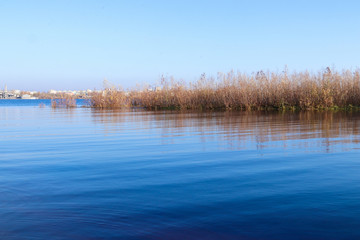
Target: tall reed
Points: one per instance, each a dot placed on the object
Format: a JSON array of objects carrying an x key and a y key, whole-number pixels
[
  {"x": 110, "y": 98},
  {"x": 65, "y": 101},
  {"x": 236, "y": 91}
]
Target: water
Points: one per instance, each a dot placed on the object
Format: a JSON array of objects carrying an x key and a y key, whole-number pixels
[
  {"x": 101, "y": 174},
  {"x": 34, "y": 102}
]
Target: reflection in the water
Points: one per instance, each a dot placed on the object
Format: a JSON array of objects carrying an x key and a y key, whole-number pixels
[{"x": 234, "y": 130}]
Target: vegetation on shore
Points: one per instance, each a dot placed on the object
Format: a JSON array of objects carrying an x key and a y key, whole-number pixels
[{"x": 236, "y": 91}]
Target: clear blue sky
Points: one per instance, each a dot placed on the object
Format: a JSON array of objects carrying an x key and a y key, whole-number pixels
[{"x": 60, "y": 44}]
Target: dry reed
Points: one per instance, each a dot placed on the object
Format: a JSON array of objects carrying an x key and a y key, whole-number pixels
[
  {"x": 235, "y": 91},
  {"x": 65, "y": 101},
  {"x": 110, "y": 98}
]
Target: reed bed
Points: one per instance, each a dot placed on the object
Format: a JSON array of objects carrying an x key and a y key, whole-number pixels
[
  {"x": 110, "y": 98},
  {"x": 65, "y": 101},
  {"x": 236, "y": 91}
]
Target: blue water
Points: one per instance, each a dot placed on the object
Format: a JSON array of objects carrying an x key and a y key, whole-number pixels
[
  {"x": 34, "y": 102},
  {"x": 102, "y": 174}
]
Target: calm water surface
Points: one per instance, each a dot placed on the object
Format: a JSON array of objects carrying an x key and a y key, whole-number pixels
[{"x": 101, "y": 174}]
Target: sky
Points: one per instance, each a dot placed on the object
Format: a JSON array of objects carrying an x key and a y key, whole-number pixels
[{"x": 61, "y": 44}]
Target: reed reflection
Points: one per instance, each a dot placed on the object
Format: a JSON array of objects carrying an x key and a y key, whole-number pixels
[{"x": 238, "y": 130}]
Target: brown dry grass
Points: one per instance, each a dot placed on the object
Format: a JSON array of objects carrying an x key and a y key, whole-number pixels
[
  {"x": 65, "y": 101},
  {"x": 110, "y": 98},
  {"x": 235, "y": 91}
]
